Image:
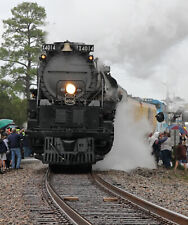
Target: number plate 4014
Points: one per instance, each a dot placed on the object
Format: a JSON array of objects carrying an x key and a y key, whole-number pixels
[
  {"x": 48, "y": 47},
  {"x": 85, "y": 48}
]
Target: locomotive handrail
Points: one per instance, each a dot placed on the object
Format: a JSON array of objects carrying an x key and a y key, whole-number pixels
[{"x": 57, "y": 151}]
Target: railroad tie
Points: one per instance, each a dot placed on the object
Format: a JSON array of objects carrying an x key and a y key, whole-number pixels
[
  {"x": 110, "y": 199},
  {"x": 71, "y": 198}
]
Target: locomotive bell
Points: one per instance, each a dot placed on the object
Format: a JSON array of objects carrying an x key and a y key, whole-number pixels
[{"x": 66, "y": 47}]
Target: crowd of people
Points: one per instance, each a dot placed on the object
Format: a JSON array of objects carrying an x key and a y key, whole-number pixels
[
  {"x": 12, "y": 143},
  {"x": 163, "y": 149}
]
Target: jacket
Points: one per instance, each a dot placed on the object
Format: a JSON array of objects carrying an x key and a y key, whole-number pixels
[
  {"x": 166, "y": 144},
  {"x": 14, "y": 140}
]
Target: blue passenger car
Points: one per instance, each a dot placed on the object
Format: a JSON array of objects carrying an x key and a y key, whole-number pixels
[{"x": 161, "y": 107}]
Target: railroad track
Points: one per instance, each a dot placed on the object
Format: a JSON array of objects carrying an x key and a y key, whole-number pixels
[{"x": 88, "y": 199}]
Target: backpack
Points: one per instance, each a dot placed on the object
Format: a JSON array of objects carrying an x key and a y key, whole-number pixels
[{"x": 3, "y": 147}]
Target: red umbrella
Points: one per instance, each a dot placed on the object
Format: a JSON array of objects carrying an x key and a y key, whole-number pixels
[{"x": 181, "y": 129}]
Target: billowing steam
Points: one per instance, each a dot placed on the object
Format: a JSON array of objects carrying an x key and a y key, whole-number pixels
[
  {"x": 144, "y": 42},
  {"x": 130, "y": 148}
]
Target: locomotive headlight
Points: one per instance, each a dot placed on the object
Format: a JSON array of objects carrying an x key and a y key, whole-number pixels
[
  {"x": 43, "y": 57},
  {"x": 70, "y": 88},
  {"x": 90, "y": 58}
]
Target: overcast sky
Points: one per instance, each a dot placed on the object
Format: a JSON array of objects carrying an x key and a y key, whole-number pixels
[{"x": 144, "y": 41}]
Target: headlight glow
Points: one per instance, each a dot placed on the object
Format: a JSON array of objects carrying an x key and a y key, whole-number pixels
[
  {"x": 70, "y": 88},
  {"x": 43, "y": 56},
  {"x": 90, "y": 58}
]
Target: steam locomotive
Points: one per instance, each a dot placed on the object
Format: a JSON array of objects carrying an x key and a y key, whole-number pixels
[{"x": 71, "y": 113}]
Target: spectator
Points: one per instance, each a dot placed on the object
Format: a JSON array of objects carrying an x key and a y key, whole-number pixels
[
  {"x": 150, "y": 139},
  {"x": 8, "y": 153},
  {"x": 8, "y": 131},
  {"x": 14, "y": 144},
  {"x": 18, "y": 131},
  {"x": 166, "y": 149},
  {"x": 156, "y": 147},
  {"x": 180, "y": 155},
  {"x": 1, "y": 172},
  {"x": 3, "y": 150},
  {"x": 27, "y": 150}
]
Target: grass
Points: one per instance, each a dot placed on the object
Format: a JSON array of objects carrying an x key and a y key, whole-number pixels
[{"x": 181, "y": 174}]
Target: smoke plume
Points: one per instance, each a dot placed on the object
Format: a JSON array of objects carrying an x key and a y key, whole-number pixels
[
  {"x": 130, "y": 148},
  {"x": 145, "y": 42}
]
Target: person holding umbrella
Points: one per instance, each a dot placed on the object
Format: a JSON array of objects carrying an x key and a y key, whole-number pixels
[{"x": 181, "y": 129}]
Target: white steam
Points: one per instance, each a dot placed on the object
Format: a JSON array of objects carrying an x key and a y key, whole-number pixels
[
  {"x": 144, "y": 41},
  {"x": 130, "y": 149}
]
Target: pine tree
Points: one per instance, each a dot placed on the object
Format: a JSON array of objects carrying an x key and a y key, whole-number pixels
[{"x": 23, "y": 38}]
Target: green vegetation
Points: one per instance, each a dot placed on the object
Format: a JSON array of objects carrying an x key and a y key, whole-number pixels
[
  {"x": 182, "y": 175},
  {"x": 19, "y": 52},
  {"x": 14, "y": 108}
]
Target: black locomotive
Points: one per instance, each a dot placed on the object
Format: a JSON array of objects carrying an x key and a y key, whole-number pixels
[{"x": 71, "y": 112}]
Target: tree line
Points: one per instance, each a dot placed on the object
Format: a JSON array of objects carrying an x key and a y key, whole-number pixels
[{"x": 22, "y": 38}]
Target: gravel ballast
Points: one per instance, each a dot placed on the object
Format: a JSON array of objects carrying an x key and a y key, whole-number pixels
[
  {"x": 159, "y": 186},
  {"x": 14, "y": 205}
]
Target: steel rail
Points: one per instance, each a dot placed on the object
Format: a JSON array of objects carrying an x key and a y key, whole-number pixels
[
  {"x": 76, "y": 218},
  {"x": 153, "y": 208}
]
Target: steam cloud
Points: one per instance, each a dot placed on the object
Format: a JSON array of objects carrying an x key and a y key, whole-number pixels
[
  {"x": 130, "y": 148},
  {"x": 145, "y": 43}
]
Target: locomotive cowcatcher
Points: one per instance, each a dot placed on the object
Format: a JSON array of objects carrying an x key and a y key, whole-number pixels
[{"x": 71, "y": 113}]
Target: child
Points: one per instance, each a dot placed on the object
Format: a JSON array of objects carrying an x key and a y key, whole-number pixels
[{"x": 3, "y": 150}]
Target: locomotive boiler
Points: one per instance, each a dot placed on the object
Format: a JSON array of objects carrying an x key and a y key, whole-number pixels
[{"x": 71, "y": 113}]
